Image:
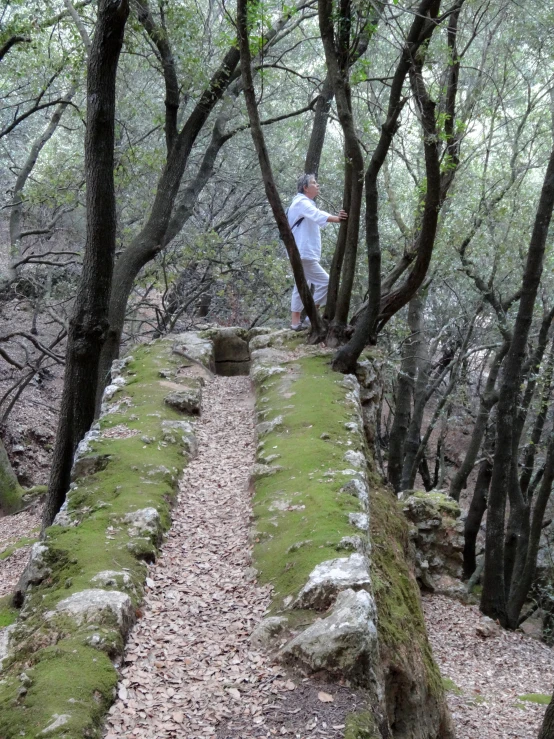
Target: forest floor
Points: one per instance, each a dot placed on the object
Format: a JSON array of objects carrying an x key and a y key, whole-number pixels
[{"x": 190, "y": 670}]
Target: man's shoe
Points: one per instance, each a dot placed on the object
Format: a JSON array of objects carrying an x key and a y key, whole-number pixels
[
  {"x": 306, "y": 323},
  {"x": 298, "y": 327}
]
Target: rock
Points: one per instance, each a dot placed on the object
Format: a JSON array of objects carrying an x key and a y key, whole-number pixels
[
  {"x": 145, "y": 522},
  {"x": 356, "y": 487},
  {"x": 118, "y": 365},
  {"x": 35, "y": 572},
  {"x": 260, "y": 373},
  {"x": 437, "y": 534},
  {"x": 352, "y": 544},
  {"x": 450, "y": 586},
  {"x": 228, "y": 347},
  {"x": 113, "y": 579},
  {"x": 264, "y": 470},
  {"x": 359, "y": 520},
  {"x": 487, "y": 628},
  {"x": 98, "y": 607},
  {"x": 344, "y": 643},
  {"x": 59, "y": 720},
  {"x": 356, "y": 459},
  {"x": 329, "y": 578},
  {"x": 262, "y": 429},
  {"x": 266, "y": 631},
  {"x": 112, "y": 388},
  {"x": 89, "y": 465},
  {"x": 183, "y": 430},
  {"x": 5, "y": 634},
  {"x": 197, "y": 347},
  {"x": 187, "y": 400}
]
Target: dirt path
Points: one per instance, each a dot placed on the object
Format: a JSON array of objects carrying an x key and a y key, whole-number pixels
[
  {"x": 488, "y": 676},
  {"x": 190, "y": 670}
]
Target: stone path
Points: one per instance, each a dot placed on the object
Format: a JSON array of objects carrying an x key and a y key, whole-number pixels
[{"x": 190, "y": 671}]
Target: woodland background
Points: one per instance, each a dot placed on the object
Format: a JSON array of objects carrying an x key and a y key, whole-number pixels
[{"x": 432, "y": 124}]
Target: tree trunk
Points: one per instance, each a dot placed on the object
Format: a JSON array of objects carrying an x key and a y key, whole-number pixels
[
  {"x": 475, "y": 514},
  {"x": 493, "y": 600},
  {"x": 319, "y": 128},
  {"x": 547, "y": 729},
  {"x": 404, "y": 392},
  {"x": 89, "y": 322},
  {"x": 488, "y": 400},
  {"x": 267, "y": 174},
  {"x": 528, "y": 544},
  {"x": 10, "y": 492}
]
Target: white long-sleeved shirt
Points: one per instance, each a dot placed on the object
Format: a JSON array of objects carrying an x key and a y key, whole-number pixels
[{"x": 307, "y": 234}]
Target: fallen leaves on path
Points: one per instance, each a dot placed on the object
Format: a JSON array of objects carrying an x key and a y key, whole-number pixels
[
  {"x": 488, "y": 674},
  {"x": 190, "y": 671}
]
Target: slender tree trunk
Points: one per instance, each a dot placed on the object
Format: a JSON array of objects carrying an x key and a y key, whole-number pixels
[
  {"x": 319, "y": 127},
  {"x": 488, "y": 400},
  {"x": 404, "y": 393},
  {"x": 89, "y": 322},
  {"x": 267, "y": 174},
  {"x": 475, "y": 514},
  {"x": 493, "y": 600}
]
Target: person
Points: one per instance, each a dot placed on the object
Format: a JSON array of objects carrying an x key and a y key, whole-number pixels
[{"x": 306, "y": 220}]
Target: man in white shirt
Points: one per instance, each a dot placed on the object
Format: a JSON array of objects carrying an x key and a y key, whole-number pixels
[{"x": 306, "y": 220}]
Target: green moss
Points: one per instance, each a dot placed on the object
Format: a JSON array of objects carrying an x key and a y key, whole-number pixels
[
  {"x": 14, "y": 546},
  {"x": 440, "y": 501},
  {"x": 450, "y": 686},
  {"x": 8, "y": 613},
  {"x": 401, "y": 627},
  {"x": 72, "y": 677},
  {"x": 66, "y": 679},
  {"x": 540, "y": 698},
  {"x": 301, "y": 502},
  {"x": 11, "y": 494},
  {"x": 361, "y": 726}
]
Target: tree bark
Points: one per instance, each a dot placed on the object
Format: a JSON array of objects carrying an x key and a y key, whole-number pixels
[
  {"x": 267, "y": 174},
  {"x": 493, "y": 600},
  {"x": 89, "y": 322},
  {"x": 475, "y": 514},
  {"x": 488, "y": 400},
  {"x": 547, "y": 729},
  {"x": 319, "y": 127},
  {"x": 405, "y": 391}
]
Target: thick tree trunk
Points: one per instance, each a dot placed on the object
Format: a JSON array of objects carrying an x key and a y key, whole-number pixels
[
  {"x": 493, "y": 600},
  {"x": 547, "y": 729},
  {"x": 528, "y": 544},
  {"x": 404, "y": 392},
  {"x": 89, "y": 322}
]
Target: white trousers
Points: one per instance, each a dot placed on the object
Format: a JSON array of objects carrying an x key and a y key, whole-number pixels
[{"x": 316, "y": 276}]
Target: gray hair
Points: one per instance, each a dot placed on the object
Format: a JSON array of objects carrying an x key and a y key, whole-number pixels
[{"x": 303, "y": 181}]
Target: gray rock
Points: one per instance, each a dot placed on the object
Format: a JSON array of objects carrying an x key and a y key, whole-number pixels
[
  {"x": 98, "y": 607},
  {"x": 35, "y": 572},
  {"x": 111, "y": 389},
  {"x": 263, "y": 470},
  {"x": 356, "y": 459},
  {"x": 59, "y": 720},
  {"x": 89, "y": 465},
  {"x": 352, "y": 544},
  {"x": 356, "y": 487},
  {"x": 344, "y": 643},
  {"x": 267, "y": 630},
  {"x": 5, "y": 642},
  {"x": 262, "y": 429},
  {"x": 359, "y": 520},
  {"x": 113, "y": 579},
  {"x": 187, "y": 400},
  {"x": 198, "y": 348},
  {"x": 331, "y": 577},
  {"x": 228, "y": 347},
  {"x": 173, "y": 431},
  {"x": 145, "y": 522}
]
